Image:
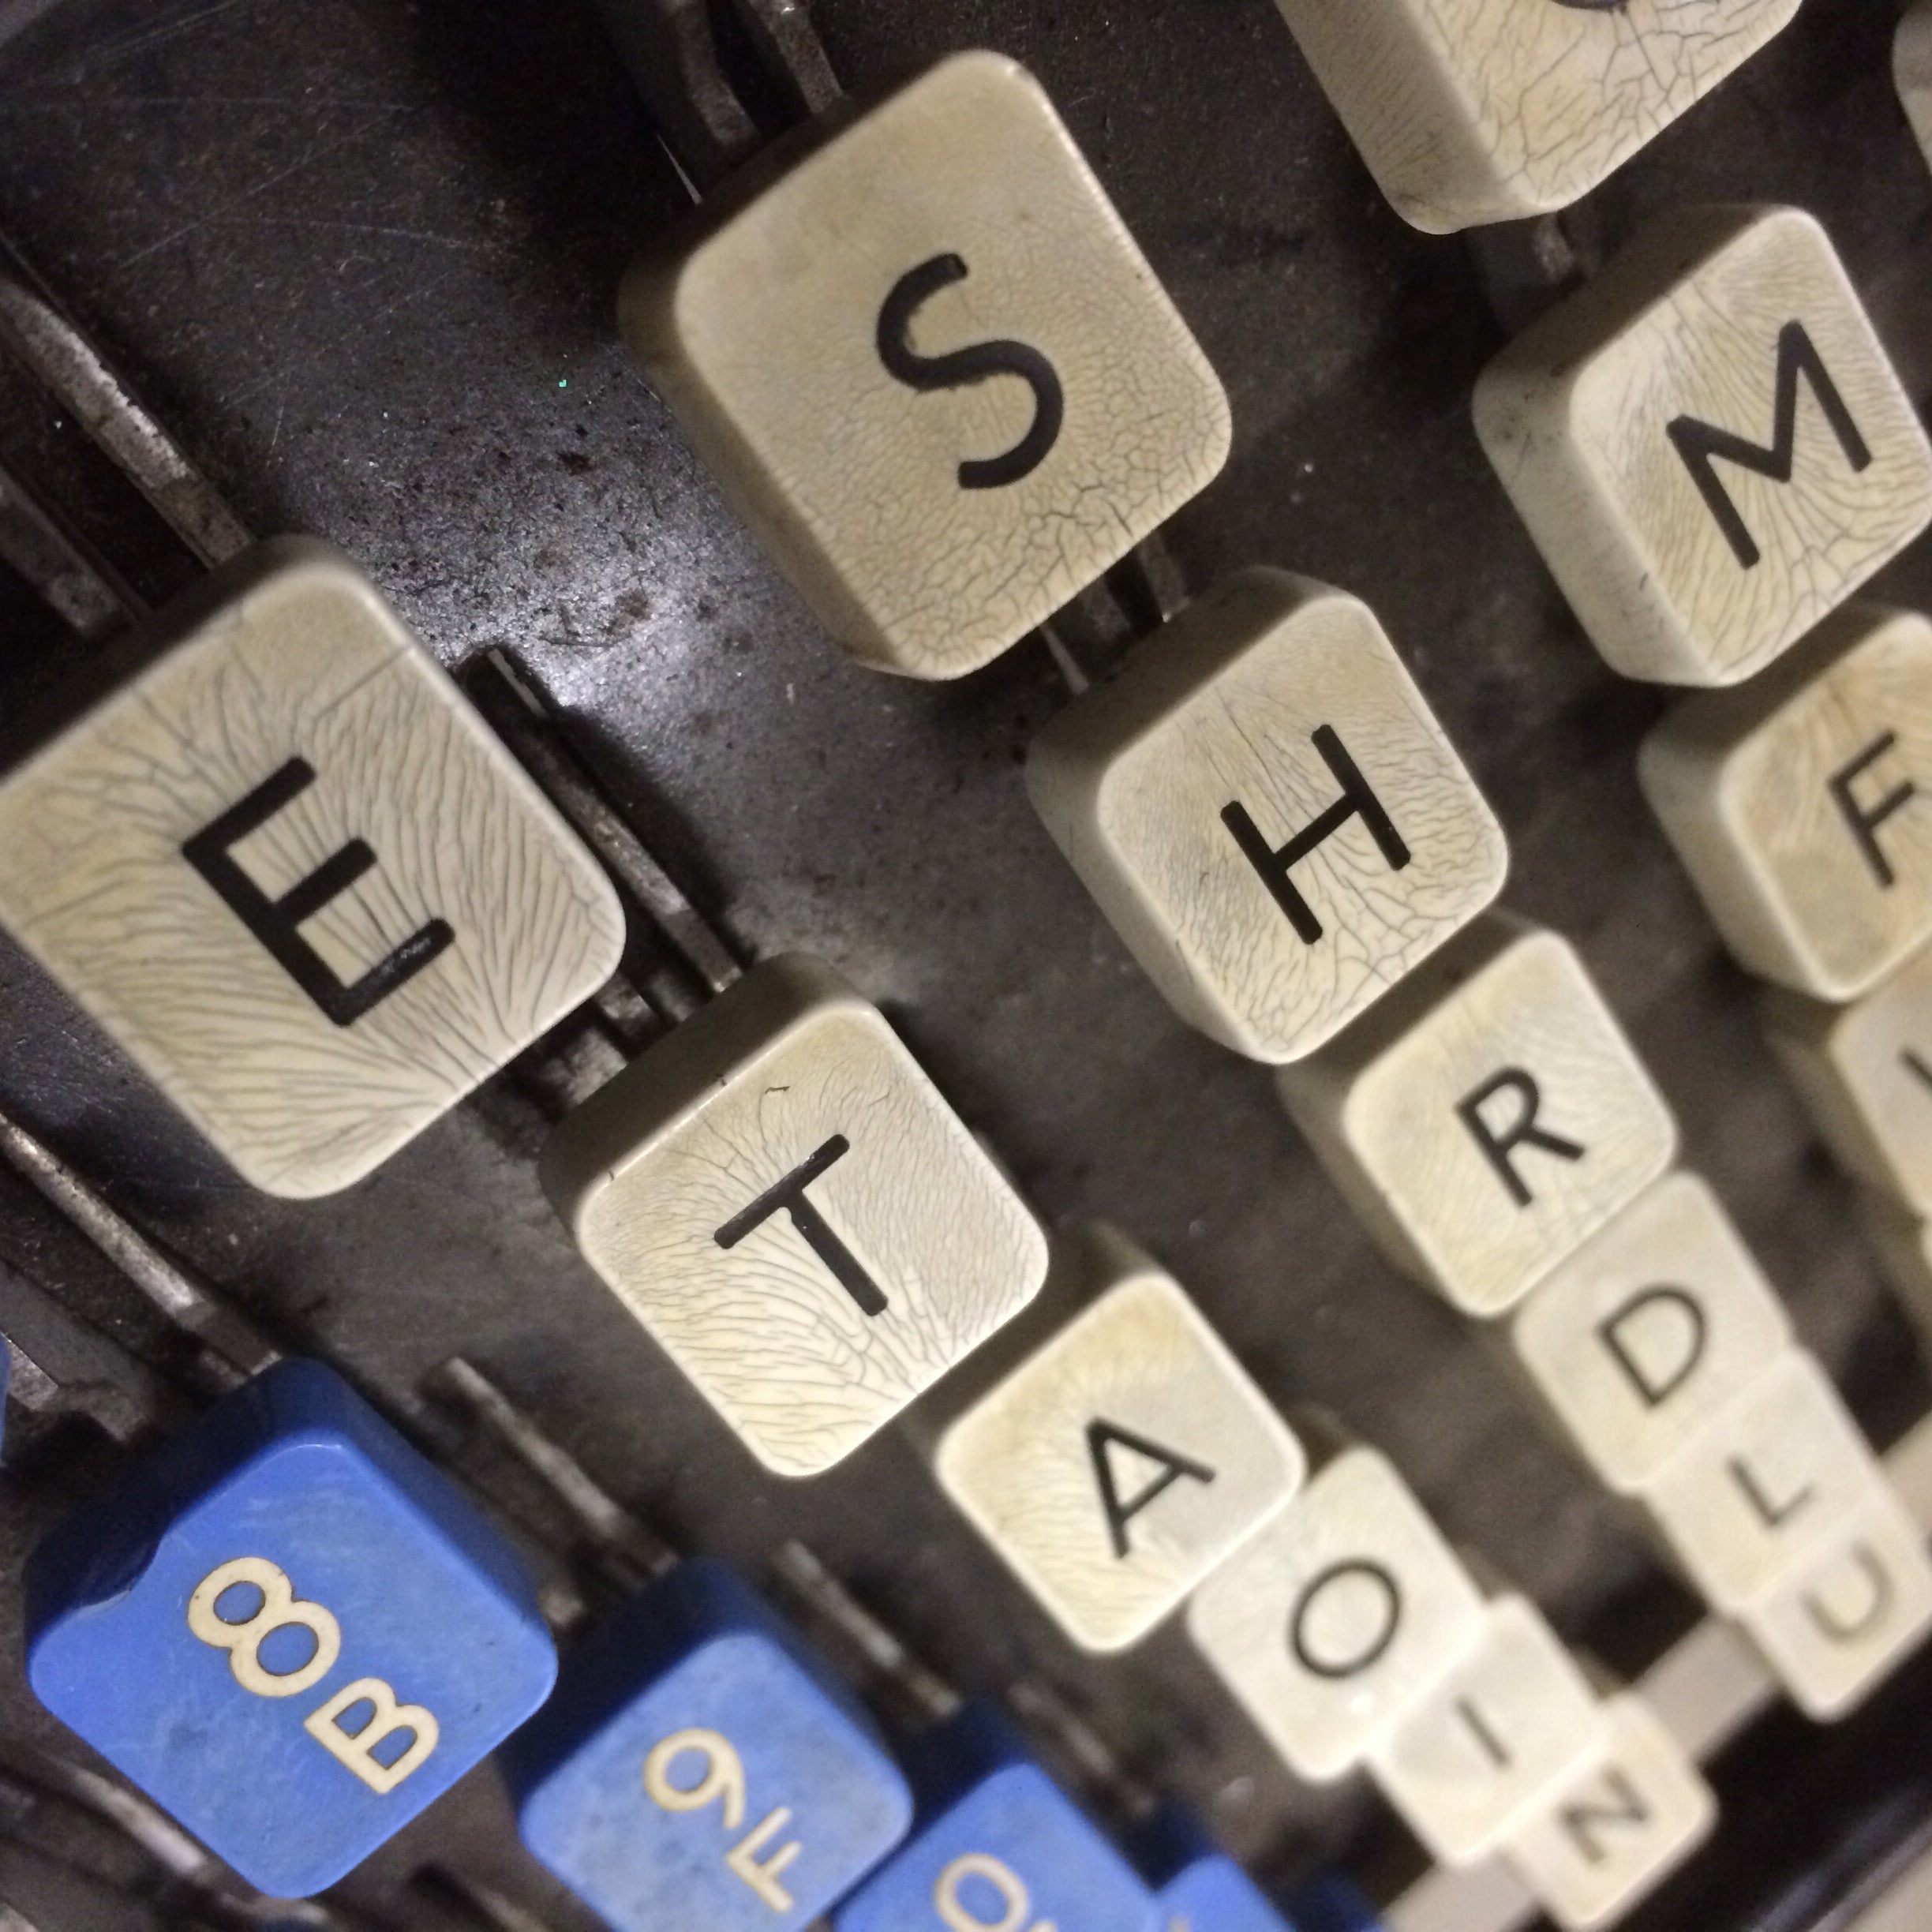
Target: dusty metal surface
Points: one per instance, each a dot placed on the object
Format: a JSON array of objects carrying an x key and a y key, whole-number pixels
[{"x": 361, "y": 255}]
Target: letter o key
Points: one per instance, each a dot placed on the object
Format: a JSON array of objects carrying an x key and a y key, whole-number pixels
[
  {"x": 1334, "y": 1668},
  {"x": 280, "y": 1609}
]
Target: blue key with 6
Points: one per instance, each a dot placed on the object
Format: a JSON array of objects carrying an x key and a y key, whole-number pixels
[
  {"x": 287, "y": 1629},
  {"x": 700, "y": 1767},
  {"x": 996, "y": 1846}
]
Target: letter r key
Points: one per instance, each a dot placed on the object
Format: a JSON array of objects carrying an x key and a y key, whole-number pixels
[{"x": 296, "y": 878}]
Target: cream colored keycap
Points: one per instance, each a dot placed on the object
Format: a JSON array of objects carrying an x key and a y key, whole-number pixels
[
  {"x": 1913, "y": 67},
  {"x": 1269, "y": 814},
  {"x": 1865, "y": 1071},
  {"x": 1620, "y": 1825},
  {"x": 933, "y": 371},
  {"x": 296, "y": 879},
  {"x": 1802, "y": 804},
  {"x": 779, "y": 1195},
  {"x": 1471, "y": 1757},
  {"x": 1645, "y": 1332},
  {"x": 1330, "y": 1624},
  {"x": 1708, "y": 443},
  {"x": 1486, "y": 1120},
  {"x": 1767, "y": 1478},
  {"x": 1124, "y": 1461},
  {"x": 1470, "y": 111},
  {"x": 1859, "y": 1606}
]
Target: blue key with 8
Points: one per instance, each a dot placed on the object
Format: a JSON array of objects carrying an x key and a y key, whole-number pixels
[{"x": 287, "y": 1629}]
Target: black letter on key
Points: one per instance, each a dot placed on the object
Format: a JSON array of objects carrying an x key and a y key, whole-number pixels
[
  {"x": 1865, "y": 820},
  {"x": 1623, "y": 1805},
  {"x": 1357, "y": 800},
  {"x": 1701, "y": 445},
  {"x": 276, "y": 923},
  {"x": 1522, "y": 1132},
  {"x": 789, "y": 1197},
  {"x": 1101, "y": 1437},
  {"x": 966, "y": 366}
]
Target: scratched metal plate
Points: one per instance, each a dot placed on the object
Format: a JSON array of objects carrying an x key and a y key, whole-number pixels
[{"x": 360, "y": 254}]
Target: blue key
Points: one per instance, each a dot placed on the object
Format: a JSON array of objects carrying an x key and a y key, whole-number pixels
[
  {"x": 1197, "y": 1887},
  {"x": 287, "y": 1629},
  {"x": 699, "y": 1769},
  {"x": 996, "y": 1846}
]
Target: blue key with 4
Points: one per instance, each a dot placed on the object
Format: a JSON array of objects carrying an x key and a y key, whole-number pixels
[
  {"x": 698, "y": 1767},
  {"x": 996, "y": 1846},
  {"x": 287, "y": 1629}
]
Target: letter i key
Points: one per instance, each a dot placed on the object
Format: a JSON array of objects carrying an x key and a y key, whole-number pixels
[
  {"x": 699, "y": 1765},
  {"x": 284, "y": 1626}
]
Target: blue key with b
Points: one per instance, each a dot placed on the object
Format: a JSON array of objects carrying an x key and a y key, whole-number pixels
[
  {"x": 1197, "y": 1887},
  {"x": 699, "y": 1768},
  {"x": 996, "y": 1846},
  {"x": 287, "y": 1629}
]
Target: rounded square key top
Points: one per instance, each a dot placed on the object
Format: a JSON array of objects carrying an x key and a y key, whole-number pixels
[
  {"x": 1709, "y": 443},
  {"x": 288, "y": 1629},
  {"x": 1502, "y": 1731},
  {"x": 1470, "y": 111},
  {"x": 1620, "y": 1825},
  {"x": 1648, "y": 1329},
  {"x": 933, "y": 372},
  {"x": 1267, "y": 810},
  {"x": 781, "y": 1196},
  {"x": 698, "y": 1766},
  {"x": 1801, "y": 804},
  {"x": 297, "y": 878},
  {"x": 995, "y": 1844},
  {"x": 1343, "y": 1611},
  {"x": 1489, "y": 1117},
  {"x": 1121, "y": 1463}
]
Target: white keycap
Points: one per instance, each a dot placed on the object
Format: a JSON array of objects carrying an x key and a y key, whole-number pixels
[
  {"x": 1269, "y": 813},
  {"x": 1865, "y": 1071},
  {"x": 1470, "y": 111},
  {"x": 779, "y": 1195},
  {"x": 1802, "y": 804},
  {"x": 293, "y": 875},
  {"x": 1486, "y": 1120},
  {"x": 933, "y": 372},
  {"x": 1645, "y": 1332},
  {"x": 1856, "y": 1609},
  {"x": 1708, "y": 444},
  {"x": 1123, "y": 1462},
  {"x": 1471, "y": 1757},
  {"x": 1331, "y": 1623},
  {"x": 1914, "y": 69},
  {"x": 1770, "y": 1478},
  {"x": 1635, "y": 1811}
]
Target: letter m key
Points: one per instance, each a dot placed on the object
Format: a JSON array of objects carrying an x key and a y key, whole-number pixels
[{"x": 1702, "y": 446}]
